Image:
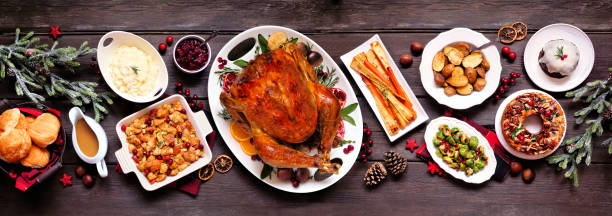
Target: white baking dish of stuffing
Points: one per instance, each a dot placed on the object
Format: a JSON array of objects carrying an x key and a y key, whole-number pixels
[{"x": 163, "y": 142}]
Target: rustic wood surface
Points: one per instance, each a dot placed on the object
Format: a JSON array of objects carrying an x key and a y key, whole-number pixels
[{"x": 338, "y": 26}]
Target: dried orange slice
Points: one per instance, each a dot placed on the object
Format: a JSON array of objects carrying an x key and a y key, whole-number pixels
[
  {"x": 521, "y": 30},
  {"x": 506, "y": 34},
  {"x": 223, "y": 163},
  {"x": 248, "y": 147},
  {"x": 206, "y": 172},
  {"x": 239, "y": 132}
]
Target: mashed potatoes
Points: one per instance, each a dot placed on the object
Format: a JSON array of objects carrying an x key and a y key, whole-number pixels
[{"x": 133, "y": 71}]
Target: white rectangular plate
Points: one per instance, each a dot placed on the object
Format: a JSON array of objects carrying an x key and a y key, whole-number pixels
[{"x": 421, "y": 114}]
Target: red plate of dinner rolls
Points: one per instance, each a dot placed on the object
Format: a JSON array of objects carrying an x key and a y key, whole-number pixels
[{"x": 32, "y": 142}]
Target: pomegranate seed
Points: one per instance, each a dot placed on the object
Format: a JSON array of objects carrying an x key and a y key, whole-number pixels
[
  {"x": 497, "y": 97},
  {"x": 369, "y": 132},
  {"x": 169, "y": 39},
  {"x": 123, "y": 127},
  {"x": 219, "y": 60},
  {"x": 183, "y": 111},
  {"x": 167, "y": 119},
  {"x": 187, "y": 144},
  {"x": 350, "y": 147},
  {"x": 365, "y": 130},
  {"x": 224, "y": 62},
  {"x": 504, "y": 80},
  {"x": 192, "y": 104},
  {"x": 501, "y": 90},
  {"x": 158, "y": 157},
  {"x": 365, "y": 160},
  {"x": 547, "y": 113},
  {"x": 166, "y": 157},
  {"x": 162, "y": 47}
]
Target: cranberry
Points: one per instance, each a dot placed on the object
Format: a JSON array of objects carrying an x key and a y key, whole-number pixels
[
  {"x": 135, "y": 158},
  {"x": 148, "y": 121},
  {"x": 350, "y": 147},
  {"x": 123, "y": 127},
  {"x": 168, "y": 172},
  {"x": 171, "y": 144},
  {"x": 512, "y": 81},
  {"x": 365, "y": 160},
  {"x": 219, "y": 60},
  {"x": 512, "y": 56},
  {"x": 506, "y": 86},
  {"x": 547, "y": 113},
  {"x": 135, "y": 151},
  {"x": 159, "y": 157},
  {"x": 497, "y": 97},
  {"x": 183, "y": 111},
  {"x": 365, "y": 130},
  {"x": 504, "y": 80},
  {"x": 187, "y": 92},
  {"x": 369, "y": 151},
  {"x": 93, "y": 58},
  {"x": 169, "y": 39},
  {"x": 167, "y": 119},
  {"x": 162, "y": 47},
  {"x": 178, "y": 84},
  {"x": 512, "y": 74},
  {"x": 501, "y": 90},
  {"x": 369, "y": 132},
  {"x": 224, "y": 62},
  {"x": 320, "y": 73},
  {"x": 505, "y": 50},
  {"x": 370, "y": 142},
  {"x": 170, "y": 161},
  {"x": 363, "y": 155},
  {"x": 192, "y": 104},
  {"x": 179, "y": 134},
  {"x": 187, "y": 144},
  {"x": 295, "y": 184},
  {"x": 220, "y": 66},
  {"x": 518, "y": 75},
  {"x": 92, "y": 64},
  {"x": 147, "y": 172},
  {"x": 180, "y": 92},
  {"x": 200, "y": 105},
  {"x": 195, "y": 96},
  {"x": 325, "y": 75},
  {"x": 345, "y": 150},
  {"x": 363, "y": 145},
  {"x": 166, "y": 157},
  {"x": 148, "y": 154}
]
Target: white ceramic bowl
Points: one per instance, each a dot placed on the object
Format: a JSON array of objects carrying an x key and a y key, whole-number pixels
[
  {"x": 119, "y": 38},
  {"x": 500, "y": 136},
  {"x": 186, "y": 70},
  {"x": 475, "y": 39},
  {"x": 477, "y": 178},
  {"x": 198, "y": 119},
  {"x": 552, "y": 32}
]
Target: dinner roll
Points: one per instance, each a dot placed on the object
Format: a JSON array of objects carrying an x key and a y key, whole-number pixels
[
  {"x": 9, "y": 119},
  {"x": 15, "y": 144},
  {"x": 44, "y": 129},
  {"x": 23, "y": 122},
  {"x": 37, "y": 158}
]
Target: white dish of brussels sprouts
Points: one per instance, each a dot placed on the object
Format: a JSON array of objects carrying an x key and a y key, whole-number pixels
[{"x": 460, "y": 150}]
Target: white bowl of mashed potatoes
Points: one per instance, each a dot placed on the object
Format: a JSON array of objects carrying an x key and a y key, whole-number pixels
[{"x": 132, "y": 67}]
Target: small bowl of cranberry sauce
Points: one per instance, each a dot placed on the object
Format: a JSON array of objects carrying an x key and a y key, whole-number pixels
[{"x": 190, "y": 55}]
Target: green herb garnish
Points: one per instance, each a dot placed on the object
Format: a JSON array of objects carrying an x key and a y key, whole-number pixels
[
  {"x": 263, "y": 43},
  {"x": 560, "y": 52},
  {"x": 224, "y": 114},
  {"x": 293, "y": 40},
  {"x": 331, "y": 79},
  {"x": 342, "y": 142},
  {"x": 348, "y": 110},
  {"x": 135, "y": 69},
  {"x": 266, "y": 171},
  {"x": 516, "y": 130},
  {"x": 224, "y": 71},
  {"x": 241, "y": 63}
]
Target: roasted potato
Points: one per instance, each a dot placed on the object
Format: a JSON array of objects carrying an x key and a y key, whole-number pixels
[
  {"x": 465, "y": 90},
  {"x": 438, "y": 61},
  {"x": 471, "y": 75},
  {"x": 439, "y": 79},
  {"x": 473, "y": 60},
  {"x": 463, "y": 47},
  {"x": 480, "y": 84},
  {"x": 448, "y": 70},
  {"x": 476, "y": 51},
  {"x": 458, "y": 80},
  {"x": 449, "y": 91},
  {"x": 485, "y": 64},
  {"x": 454, "y": 55},
  {"x": 458, "y": 71},
  {"x": 481, "y": 72},
  {"x": 276, "y": 40}
]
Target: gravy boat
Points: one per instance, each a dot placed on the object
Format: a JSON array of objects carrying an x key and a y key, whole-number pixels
[{"x": 75, "y": 114}]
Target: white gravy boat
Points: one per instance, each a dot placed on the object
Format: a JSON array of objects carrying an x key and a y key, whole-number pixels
[{"x": 76, "y": 114}]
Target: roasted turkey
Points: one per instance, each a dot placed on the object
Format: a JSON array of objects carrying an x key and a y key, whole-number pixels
[{"x": 279, "y": 98}]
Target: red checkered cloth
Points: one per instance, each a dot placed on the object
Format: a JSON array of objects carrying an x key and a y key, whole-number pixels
[{"x": 503, "y": 159}]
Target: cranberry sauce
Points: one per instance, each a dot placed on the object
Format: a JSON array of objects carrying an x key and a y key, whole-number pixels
[{"x": 191, "y": 55}]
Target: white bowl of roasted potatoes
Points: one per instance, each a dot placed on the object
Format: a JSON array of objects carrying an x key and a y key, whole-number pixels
[{"x": 455, "y": 73}]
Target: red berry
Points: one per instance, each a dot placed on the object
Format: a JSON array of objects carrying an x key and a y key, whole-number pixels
[
  {"x": 187, "y": 93},
  {"x": 183, "y": 111},
  {"x": 192, "y": 104},
  {"x": 512, "y": 81},
  {"x": 363, "y": 155},
  {"x": 178, "y": 84},
  {"x": 501, "y": 90},
  {"x": 365, "y": 130},
  {"x": 179, "y": 134},
  {"x": 148, "y": 153},
  {"x": 171, "y": 144},
  {"x": 93, "y": 58},
  {"x": 512, "y": 56},
  {"x": 518, "y": 75},
  {"x": 195, "y": 96},
  {"x": 167, "y": 119},
  {"x": 365, "y": 160},
  {"x": 505, "y": 50},
  {"x": 504, "y": 80},
  {"x": 219, "y": 59},
  {"x": 369, "y": 151},
  {"x": 123, "y": 127},
  {"x": 220, "y": 66},
  {"x": 187, "y": 144},
  {"x": 224, "y": 62},
  {"x": 180, "y": 91},
  {"x": 345, "y": 150},
  {"x": 162, "y": 47},
  {"x": 253, "y": 157},
  {"x": 135, "y": 159},
  {"x": 169, "y": 39},
  {"x": 92, "y": 64},
  {"x": 350, "y": 147},
  {"x": 134, "y": 151},
  {"x": 295, "y": 184},
  {"x": 530, "y": 103},
  {"x": 159, "y": 157},
  {"x": 506, "y": 86},
  {"x": 512, "y": 74},
  {"x": 369, "y": 132},
  {"x": 200, "y": 105},
  {"x": 370, "y": 142},
  {"x": 147, "y": 171},
  {"x": 547, "y": 113},
  {"x": 497, "y": 97},
  {"x": 363, "y": 145}
]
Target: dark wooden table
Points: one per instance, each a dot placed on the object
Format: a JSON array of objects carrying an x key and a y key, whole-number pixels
[{"x": 338, "y": 26}]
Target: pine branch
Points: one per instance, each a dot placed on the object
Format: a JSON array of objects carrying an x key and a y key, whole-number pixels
[
  {"x": 579, "y": 148},
  {"x": 31, "y": 64}
]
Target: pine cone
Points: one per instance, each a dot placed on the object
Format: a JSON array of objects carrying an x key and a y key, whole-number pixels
[
  {"x": 607, "y": 114},
  {"x": 375, "y": 174},
  {"x": 395, "y": 163}
]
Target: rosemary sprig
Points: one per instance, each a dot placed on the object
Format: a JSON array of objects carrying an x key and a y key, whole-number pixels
[
  {"x": 224, "y": 71},
  {"x": 559, "y": 53},
  {"x": 330, "y": 80},
  {"x": 224, "y": 114}
]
